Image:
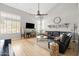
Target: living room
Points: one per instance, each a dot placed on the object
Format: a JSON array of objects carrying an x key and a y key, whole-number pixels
[{"x": 34, "y": 28}]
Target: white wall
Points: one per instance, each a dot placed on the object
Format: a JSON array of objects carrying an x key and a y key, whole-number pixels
[
  {"x": 68, "y": 14},
  {"x": 25, "y": 17}
]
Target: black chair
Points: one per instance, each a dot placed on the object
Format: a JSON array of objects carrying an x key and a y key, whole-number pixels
[
  {"x": 7, "y": 41},
  {"x": 5, "y": 51}
]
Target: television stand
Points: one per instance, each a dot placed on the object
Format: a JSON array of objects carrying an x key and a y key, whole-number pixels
[{"x": 29, "y": 34}]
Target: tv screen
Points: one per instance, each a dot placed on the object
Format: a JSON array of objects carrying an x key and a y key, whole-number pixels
[{"x": 30, "y": 25}]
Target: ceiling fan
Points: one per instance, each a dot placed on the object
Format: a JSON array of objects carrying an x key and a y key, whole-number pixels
[{"x": 38, "y": 12}]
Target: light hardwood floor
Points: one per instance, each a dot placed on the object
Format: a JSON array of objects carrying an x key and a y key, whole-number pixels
[{"x": 30, "y": 47}]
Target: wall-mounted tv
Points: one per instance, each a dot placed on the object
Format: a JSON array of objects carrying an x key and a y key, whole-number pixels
[{"x": 30, "y": 25}]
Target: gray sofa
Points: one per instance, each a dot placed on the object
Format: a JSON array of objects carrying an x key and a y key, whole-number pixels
[{"x": 64, "y": 43}]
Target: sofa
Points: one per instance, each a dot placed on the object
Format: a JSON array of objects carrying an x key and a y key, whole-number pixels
[{"x": 64, "y": 43}]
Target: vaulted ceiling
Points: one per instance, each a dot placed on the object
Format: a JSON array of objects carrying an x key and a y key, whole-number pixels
[{"x": 32, "y": 7}]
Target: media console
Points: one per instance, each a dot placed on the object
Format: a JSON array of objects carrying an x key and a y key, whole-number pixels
[{"x": 29, "y": 34}]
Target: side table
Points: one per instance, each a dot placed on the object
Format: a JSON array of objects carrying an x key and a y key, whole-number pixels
[{"x": 54, "y": 49}]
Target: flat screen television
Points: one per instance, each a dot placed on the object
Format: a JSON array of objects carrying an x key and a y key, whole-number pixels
[{"x": 30, "y": 25}]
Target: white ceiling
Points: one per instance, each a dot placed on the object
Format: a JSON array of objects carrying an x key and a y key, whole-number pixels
[{"x": 32, "y": 7}]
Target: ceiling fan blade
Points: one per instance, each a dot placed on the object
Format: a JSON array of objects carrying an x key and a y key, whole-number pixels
[
  {"x": 43, "y": 14},
  {"x": 39, "y": 14}
]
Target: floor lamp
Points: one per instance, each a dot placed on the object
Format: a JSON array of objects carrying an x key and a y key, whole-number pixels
[{"x": 75, "y": 32}]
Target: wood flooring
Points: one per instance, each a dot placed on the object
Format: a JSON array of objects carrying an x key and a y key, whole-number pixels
[{"x": 30, "y": 47}]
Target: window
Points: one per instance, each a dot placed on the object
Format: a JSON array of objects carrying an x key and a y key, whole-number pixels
[{"x": 9, "y": 23}]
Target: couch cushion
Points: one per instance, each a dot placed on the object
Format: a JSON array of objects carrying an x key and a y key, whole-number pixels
[
  {"x": 56, "y": 34},
  {"x": 64, "y": 36}
]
